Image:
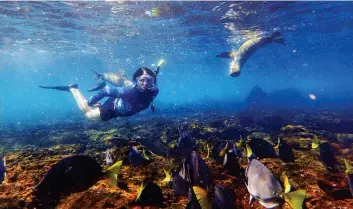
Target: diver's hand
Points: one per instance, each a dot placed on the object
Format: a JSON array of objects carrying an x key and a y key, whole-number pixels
[{"x": 97, "y": 105}]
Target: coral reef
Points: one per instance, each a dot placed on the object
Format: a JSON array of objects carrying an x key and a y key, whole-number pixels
[{"x": 32, "y": 152}]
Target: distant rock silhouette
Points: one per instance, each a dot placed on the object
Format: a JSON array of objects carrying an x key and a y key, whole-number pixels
[
  {"x": 283, "y": 98},
  {"x": 257, "y": 98}
]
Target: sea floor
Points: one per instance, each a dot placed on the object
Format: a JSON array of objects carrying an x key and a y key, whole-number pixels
[{"x": 30, "y": 151}]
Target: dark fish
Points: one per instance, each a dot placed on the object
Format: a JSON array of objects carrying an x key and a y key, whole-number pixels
[
  {"x": 262, "y": 149},
  {"x": 180, "y": 186},
  {"x": 71, "y": 174},
  {"x": 326, "y": 155},
  {"x": 150, "y": 194},
  {"x": 231, "y": 164},
  {"x": 199, "y": 198},
  {"x": 285, "y": 151},
  {"x": 222, "y": 198},
  {"x": 335, "y": 192},
  {"x": 223, "y": 148},
  {"x": 136, "y": 158},
  {"x": 186, "y": 143},
  {"x": 2, "y": 170},
  {"x": 195, "y": 171}
]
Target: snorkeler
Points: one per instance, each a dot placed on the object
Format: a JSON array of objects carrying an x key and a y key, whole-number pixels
[{"x": 122, "y": 102}]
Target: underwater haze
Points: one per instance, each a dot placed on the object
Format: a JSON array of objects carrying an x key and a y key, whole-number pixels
[{"x": 59, "y": 43}]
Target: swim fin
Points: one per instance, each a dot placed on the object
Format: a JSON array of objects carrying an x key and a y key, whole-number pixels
[
  {"x": 98, "y": 86},
  {"x": 61, "y": 88}
]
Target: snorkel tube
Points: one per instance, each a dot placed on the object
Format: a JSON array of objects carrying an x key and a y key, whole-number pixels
[{"x": 156, "y": 71}]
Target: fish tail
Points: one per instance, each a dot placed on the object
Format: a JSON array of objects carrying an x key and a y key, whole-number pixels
[
  {"x": 112, "y": 173},
  {"x": 295, "y": 199}
]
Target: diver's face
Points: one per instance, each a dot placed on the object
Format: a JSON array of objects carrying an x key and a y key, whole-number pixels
[{"x": 145, "y": 82}]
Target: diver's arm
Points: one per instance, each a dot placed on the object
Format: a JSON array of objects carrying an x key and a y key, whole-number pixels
[
  {"x": 155, "y": 92},
  {"x": 106, "y": 92}
]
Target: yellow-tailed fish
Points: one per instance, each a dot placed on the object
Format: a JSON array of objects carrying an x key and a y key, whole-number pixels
[
  {"x": 295, "y": 199},
  {"x": 202, "y": 197},
  {"x": 286, "y": 183},
  {"x": 168, "y": 176},
  {"x": 349, "y": 172},
  {"x": 316, "y": 142},
  {"x": 224, "y": 150},
  {"x": 139, "y": 192},
  {"x": 278, "y": 143},
  {"x": 144, "y": 155},
  {"x": 112, "y": 173}
]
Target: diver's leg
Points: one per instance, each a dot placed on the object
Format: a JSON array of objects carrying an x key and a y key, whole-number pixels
[{"x": 90, "y": 112}]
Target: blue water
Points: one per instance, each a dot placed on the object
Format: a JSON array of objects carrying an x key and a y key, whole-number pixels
[{"x": 57, "y": 43}]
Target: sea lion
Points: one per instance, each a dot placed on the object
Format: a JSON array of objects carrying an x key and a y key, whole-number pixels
[{"x": 247, "y": 49}]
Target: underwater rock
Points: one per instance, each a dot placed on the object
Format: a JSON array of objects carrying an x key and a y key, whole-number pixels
[
  {"x": 260, "y": 135},
  {"x": 293, "y": 129},
  {"x": 232, "y": 133}
]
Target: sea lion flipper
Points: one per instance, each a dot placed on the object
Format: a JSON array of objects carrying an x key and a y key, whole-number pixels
[
  {"x": 276, "y": 34},
  {"x": 226, "y": 55},
  {"x": 280, "y": 41}
]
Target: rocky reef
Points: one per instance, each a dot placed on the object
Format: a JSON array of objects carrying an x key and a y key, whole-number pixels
[{"x": 31, "y": 152}]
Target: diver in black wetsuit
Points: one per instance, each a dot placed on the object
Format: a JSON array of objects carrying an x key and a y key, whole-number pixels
[{"x": 122, "y": 101}]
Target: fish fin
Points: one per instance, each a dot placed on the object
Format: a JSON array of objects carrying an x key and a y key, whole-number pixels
[
  {"x": 202, "y": 197},
  {"x": 286, "y": 183},
  {"x": 97, "y": 75},
  {"x": 112, "y": 173},
  {"x": 225, "y": 159},
  {"x": 315, "y": 143},
  {"x": 4, "y": 160},
  {"x": 276, "y": 34},
  {"x": 139, "y": 192},
  {"x": 251, "y": 199},
  {"x": 208, "y": 151},
  {"x": 295, "y": 199},
  {"x": 168, "y": 177},
  {"x": 144, "y": 155},
  {"x": 224, "y": 150},
  {"x": 279, "y": 141},
  {"x": 349, "y": 169},
  {"x": 280, "y": 41},
  {"x": 249, "y": 152}
]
